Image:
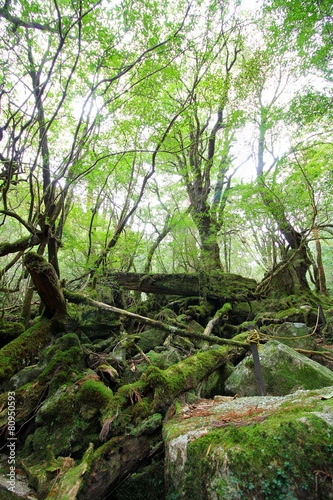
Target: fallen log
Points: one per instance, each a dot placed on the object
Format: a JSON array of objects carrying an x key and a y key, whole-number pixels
[
  {"x": 226, "y": 287},
  {"x": 20, "y": 351},
  {"x": 175, "y": 328},
  {"x": 103, "y": 469}
]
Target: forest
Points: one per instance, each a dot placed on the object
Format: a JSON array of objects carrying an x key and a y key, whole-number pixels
[{"x": 166, "y": 185}]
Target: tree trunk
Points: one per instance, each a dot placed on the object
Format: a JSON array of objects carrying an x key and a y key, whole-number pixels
[
  {"x": 21, "y": 350},
  {"x": 210, "y": 250},
  {"x": 225, "y": 287},
  {"x": 320, "y": 266},
  {"x": 47, "y": 284}
]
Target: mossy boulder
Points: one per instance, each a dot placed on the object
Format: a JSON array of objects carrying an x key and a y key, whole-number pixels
[
  {"x": 295, "y": 335},
  {"x": 152, "y": 338},
  {"x": 257, "y": 448},
  {"x": 24, "y": 376},
  {"x": 284, "y": 371},
  {"x": 63, "y": 361}
]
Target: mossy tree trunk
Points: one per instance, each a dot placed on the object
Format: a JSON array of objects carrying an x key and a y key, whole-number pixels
[
  {"x": 225, "y": 287},
  {"x": 141, "y": 406},
  {"x": 21, "y": 350},
  {"x": 47, "y": 285}
]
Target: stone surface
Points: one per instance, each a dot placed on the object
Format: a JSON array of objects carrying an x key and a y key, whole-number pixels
[
  {"x": 284, "y": 371},
  {"x": 24, "y": 376},
  {"x": 257, "y": 448},
  {"x": 295, "y": 335}
]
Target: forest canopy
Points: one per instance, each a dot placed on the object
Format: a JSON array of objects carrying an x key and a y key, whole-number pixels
[
  {"x": 166, "y": 207},
  {"x": 152, "y": 137}
]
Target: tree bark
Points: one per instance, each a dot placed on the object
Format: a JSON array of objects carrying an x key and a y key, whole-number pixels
[
  {"x": 225, "y": 287},
  {"x": 320, "y": 266},
  {"x": 21, "y": 244},
  {"x": 47, "y": 284}
]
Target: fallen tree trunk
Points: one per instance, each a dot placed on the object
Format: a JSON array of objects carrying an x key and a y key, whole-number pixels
[
  {"x": 100, "y": 474},
  {"x": 175, "y": 328},
  {"x": 21, "y": 350},
  {"x": 162, "y": 386},
  {"x": 226, "y": 287}
]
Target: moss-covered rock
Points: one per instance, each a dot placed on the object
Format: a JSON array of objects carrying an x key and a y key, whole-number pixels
[
  {"x": 150, "y": 339},
  {"x": 284, "y": 371},
  {"x": 24, "y": 376},
  {"x": 63, "y": 361},
  {"x": 295, "y": 335},
  {"x": 255, "y": 448}
]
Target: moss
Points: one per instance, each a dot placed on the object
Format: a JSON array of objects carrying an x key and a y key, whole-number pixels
[
  {"x": 8, "y": 331},
  {"x": 288, "y": 313},
  {"x": 75, "y": 298},
  {"x": 66, "y": 422},
  {"x": 148, "y": 426},
  {"x": 22, "y": 349},
  {"x": 119, "y": 406},
  {"x": 20, "y": 244},
  {"x": 61, "y": 363},
  {"x": 151, "y": 338},
  {"x": 276, "y": 459},
  {"x": 70, "y": 480},
  {"x": 186, "y": 374},
  {"x": 141, "y": 409},
  {"x": 94, "y": 393},
  {"x": 224, "y": 309},
  {"x": 165, "y": 385},
  {"x": 200, "y": 311}
]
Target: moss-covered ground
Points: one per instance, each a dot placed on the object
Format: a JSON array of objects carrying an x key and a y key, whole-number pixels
[{"x": 91, "y": 392}]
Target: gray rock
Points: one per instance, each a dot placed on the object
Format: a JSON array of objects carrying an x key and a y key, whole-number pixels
[
  {"x": 255, "y": 447},
  {"x": 25, "y": 376},
  {"x": 295, "y": 335},
  {"x": 284, "y": 371}
]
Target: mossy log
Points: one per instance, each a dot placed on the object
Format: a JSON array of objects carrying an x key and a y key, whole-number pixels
[
  {"x": 226, "y": 287},
  {"x": 21, "y": 350},
  {"x": 176, "y": 328},
  {"x": 47, "y": 284},
  {"x": 157, "y": 388},
  {"x": 101, "y": 471}
]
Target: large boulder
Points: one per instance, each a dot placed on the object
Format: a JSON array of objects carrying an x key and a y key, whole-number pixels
[
  {"x": 284, "y": 371},
  {"x": 256, "y": 448},
  {"x": 296, "y": 335}
]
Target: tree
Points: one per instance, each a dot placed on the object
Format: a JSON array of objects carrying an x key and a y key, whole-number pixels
[
  {"x": 202, "y": 139},
  {"x": 59, "y": 111}
]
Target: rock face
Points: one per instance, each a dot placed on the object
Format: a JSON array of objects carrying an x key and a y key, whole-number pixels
[
  {"x": 256, "y": 448},
  {"x": 284, "y": 371}
]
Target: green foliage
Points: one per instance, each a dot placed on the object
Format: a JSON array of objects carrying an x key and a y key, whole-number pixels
[{"x": 119, "y": 108}]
